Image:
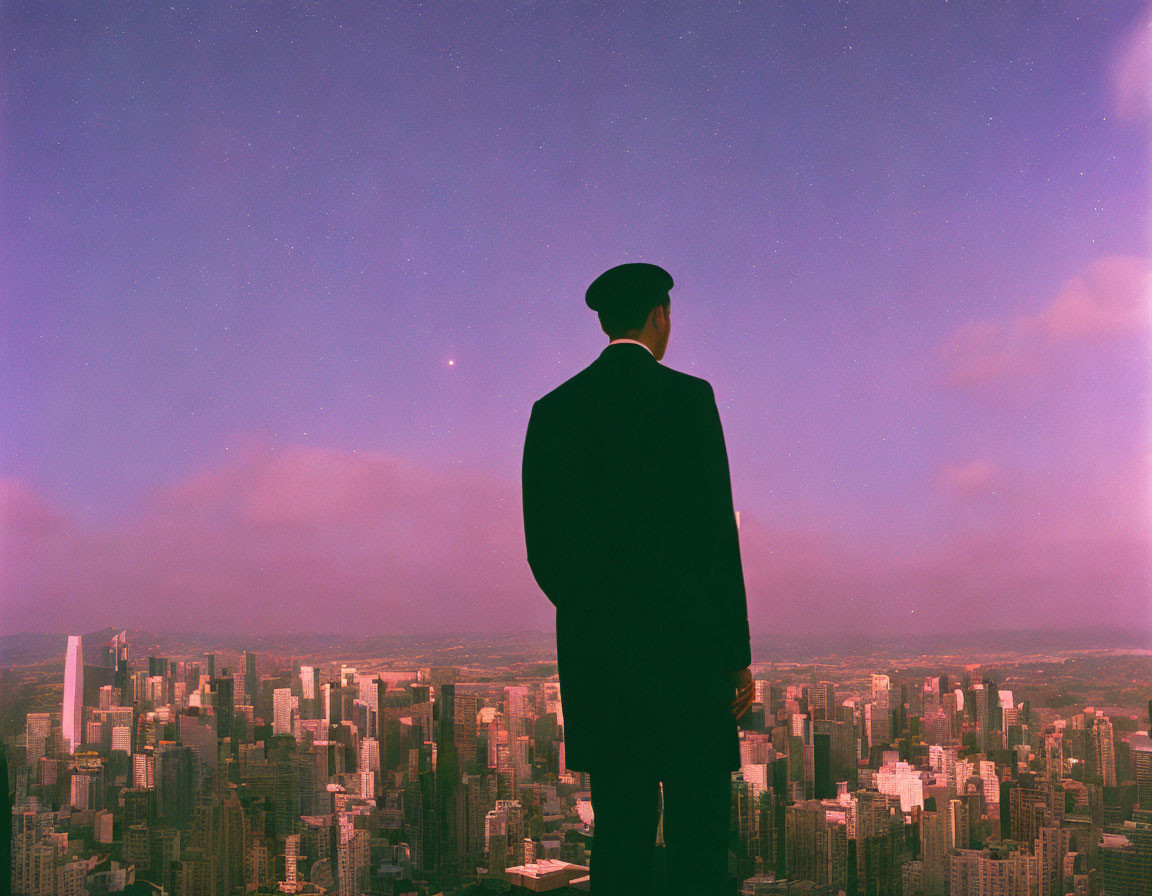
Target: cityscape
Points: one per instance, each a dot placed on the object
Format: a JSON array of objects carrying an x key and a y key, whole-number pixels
[{"x": 142, "y": 764}]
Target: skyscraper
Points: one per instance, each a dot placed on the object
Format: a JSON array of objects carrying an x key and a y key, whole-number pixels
[
  {"x": 1141, "y": 746},
  {"x": 73, "y": 718},
  {"x": 1103, "y": 751},
  {"x": 282, "y": 711},
  {"x": 879, "y": 720}
]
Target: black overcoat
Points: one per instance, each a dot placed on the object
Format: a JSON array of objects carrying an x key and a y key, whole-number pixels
[{"x": 631, "y": 534}]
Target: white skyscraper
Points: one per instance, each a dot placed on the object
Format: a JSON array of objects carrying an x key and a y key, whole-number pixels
[
  {"x": 73, "y": 717},
  {"x": 308, "y": 682},
  {"x": 282, "y": 700}
]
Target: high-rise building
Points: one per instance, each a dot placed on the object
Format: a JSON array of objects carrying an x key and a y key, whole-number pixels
[
  {"x": 822, "y": 700},
  {"x": 81, "y": 791},
  {"x": 38, "y": 737},
  {"x": 282, "y": 711},
  {"x": 73, "y": 717},
  {"x": 1141, "y": 746},
  {"x": 879, "y": 715},
  {"x": 308, "y": 684},
  {"x": 1103, "y": 749},
  {"x": 122, "y": 738},
  {"x": 250, "y": 679}
]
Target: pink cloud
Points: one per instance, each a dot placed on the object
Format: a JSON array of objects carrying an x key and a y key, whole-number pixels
[
  {"x": 296, "y": 538},
  {"x": 1108, "y": 301}
]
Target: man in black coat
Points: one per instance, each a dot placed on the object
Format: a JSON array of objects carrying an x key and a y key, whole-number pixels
[{"x": 631, "y": 533}]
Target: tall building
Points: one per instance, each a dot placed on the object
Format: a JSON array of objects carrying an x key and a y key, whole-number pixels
[
  {"x": 282, "y": 711},
  {"x": 309, "y": 682},
  {"x": 1104, "y": 751},
  {"x": 879, "y": 716},
  {"x": 73, "y": 718},
  {"x": 250, "y": 679},
  {"x": 37, "y": 736},
  {"x": 1141, "y": 747},
  {"x": 822, "y": 700}
]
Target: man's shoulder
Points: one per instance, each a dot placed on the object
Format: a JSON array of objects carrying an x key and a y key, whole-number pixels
[
  {"x": 687, "y": 381},
  {"x": 592, "y": 381}
]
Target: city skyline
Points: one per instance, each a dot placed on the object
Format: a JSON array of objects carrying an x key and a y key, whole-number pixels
[
  {"x": 280, "y": 286},
  {"x": 223, "y": 771}
]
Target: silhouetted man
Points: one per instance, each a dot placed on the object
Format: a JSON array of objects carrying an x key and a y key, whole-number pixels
[{"x": 631, "y": 534}]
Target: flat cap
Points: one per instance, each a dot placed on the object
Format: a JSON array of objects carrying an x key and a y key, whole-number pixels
[{"x": 629, "y": 286}]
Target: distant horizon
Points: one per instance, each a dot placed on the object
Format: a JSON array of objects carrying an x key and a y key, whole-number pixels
[{"x": 1093, "y": 634}]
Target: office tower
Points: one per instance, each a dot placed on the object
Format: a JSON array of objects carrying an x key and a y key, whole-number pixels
[
  {"x": 250, "y": 679},
  {"x": 37, "y": 737},
  {"x": 822, "y": 700},
  {"x": 282, "y": 711},
  {"x": 447, "y": 821},
  {"x": 932, "y": 692},
  {"x": 876, "y": 723},
  {"x": 240, "y": 695},
  {"x": 73, "y": 716},
  {"x": 309, "y": 691},
  {"x": 144, "y": 770},
  {"x": 879, "y": 718},
  {"x": 1141, "y": 746},
  {"x": 369, "y": 759},
  {"x": 331, "y": 705},
  {"x": 518, "y": 710},
  {"x": 116, "y": 658},
  {"x": 956, "y": 822},
  {"x": 122, "y": 739},
  {"x": 823, "y": 785},
  {"x": 81, "y": 792},
  {"x": 223, "y": 705},
  {"x": 467, "y": 706},
  {"x": 990, "y": 780},
  {"x": 174, "y": 776},
  {"x": 1103, "y": 751}
]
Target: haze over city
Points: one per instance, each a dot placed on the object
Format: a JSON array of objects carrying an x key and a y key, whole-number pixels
[{"x": 280, "y": 285}]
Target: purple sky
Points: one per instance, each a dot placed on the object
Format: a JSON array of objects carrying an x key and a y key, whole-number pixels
[{"x": 239, "y": 245}]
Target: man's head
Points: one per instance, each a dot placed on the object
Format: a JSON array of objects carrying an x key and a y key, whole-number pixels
[{"x": 633, "y": 303}]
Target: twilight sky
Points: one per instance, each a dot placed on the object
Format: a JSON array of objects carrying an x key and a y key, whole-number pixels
[{"x": 279, "y": 284}]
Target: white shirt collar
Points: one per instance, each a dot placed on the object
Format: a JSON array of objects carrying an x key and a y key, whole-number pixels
[{"x": 634, "y": 342}]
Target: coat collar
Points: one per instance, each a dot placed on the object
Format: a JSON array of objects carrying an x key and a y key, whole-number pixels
[{"x": 628, "y": 351}]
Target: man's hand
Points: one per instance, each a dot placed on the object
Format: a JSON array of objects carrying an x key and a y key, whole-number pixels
[{"x": 745, "y": 692}]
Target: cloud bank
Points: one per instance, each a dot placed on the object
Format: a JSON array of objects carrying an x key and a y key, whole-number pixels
[{"x": 304, "y": 538}]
